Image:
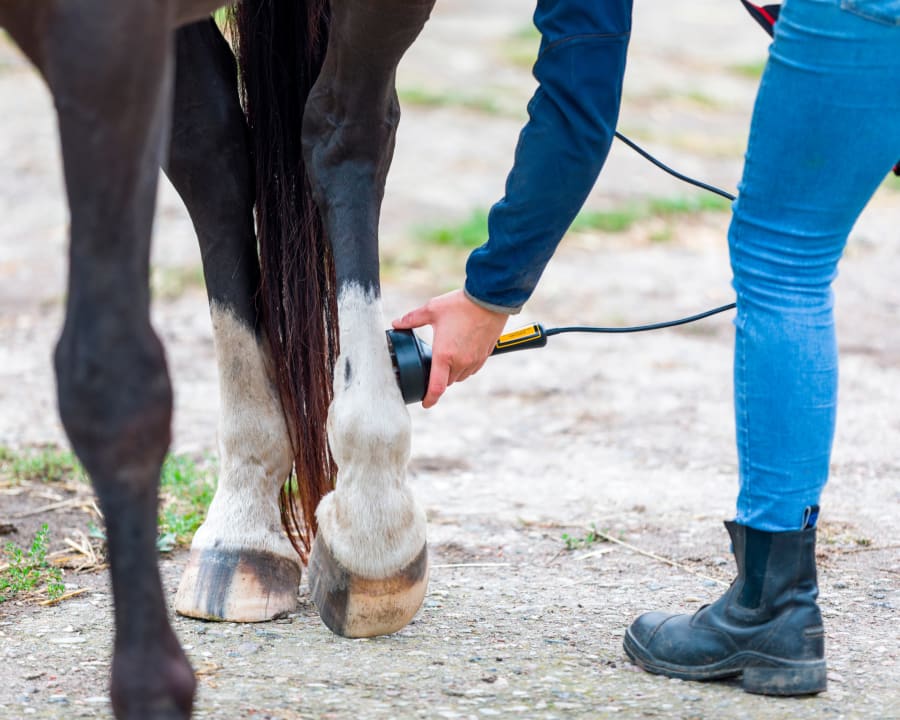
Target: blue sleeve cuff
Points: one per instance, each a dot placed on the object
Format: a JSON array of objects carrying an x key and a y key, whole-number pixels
[{"x": 490, "y": 306}]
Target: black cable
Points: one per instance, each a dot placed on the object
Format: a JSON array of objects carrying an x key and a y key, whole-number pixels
[
  {"x": 674, "y": 173},
  {"x": 668, "y": 323},
  {"x": 639, "y": 328}
]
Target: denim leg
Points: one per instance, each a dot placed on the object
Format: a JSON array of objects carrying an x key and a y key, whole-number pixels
[{"x": 825, "y": 133}]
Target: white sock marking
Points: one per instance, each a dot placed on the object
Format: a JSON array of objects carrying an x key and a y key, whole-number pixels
[{"x": 371, "y": 521}]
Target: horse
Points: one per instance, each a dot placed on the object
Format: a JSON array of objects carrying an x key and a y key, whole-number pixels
[{"x": 281, "y": 166}]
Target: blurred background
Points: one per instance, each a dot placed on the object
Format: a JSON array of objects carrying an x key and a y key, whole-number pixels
[
  {"x": 521, "y": 466},
  {"x": 646, "y": 247}
]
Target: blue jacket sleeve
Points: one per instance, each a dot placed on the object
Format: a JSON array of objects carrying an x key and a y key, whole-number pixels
[{"x": 572, "y": 120}]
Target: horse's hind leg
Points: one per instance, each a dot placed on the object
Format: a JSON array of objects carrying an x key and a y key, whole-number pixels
[
  {"x": 368, "y": 568},
  {"x": 109, "y": 69},
  {"x": 242, "y": 566}
]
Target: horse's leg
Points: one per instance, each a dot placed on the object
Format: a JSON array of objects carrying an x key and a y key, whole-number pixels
[
  {"x": 109, "y": 66},
  {"x": 242, "y": 566},
  {"x": 368, "y": 568}
]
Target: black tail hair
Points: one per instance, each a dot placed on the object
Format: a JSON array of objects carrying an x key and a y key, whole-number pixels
[{"x": 280, "y": 46}]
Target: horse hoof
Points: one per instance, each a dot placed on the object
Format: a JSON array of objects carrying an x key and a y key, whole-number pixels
[
  {"x": 151, "y": 677},
  {"x": 354, "y": 606},
  {"x": 237, "y": 585}
]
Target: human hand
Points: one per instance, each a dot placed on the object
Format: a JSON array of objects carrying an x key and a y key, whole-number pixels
[{"x": 464, "y": 336}]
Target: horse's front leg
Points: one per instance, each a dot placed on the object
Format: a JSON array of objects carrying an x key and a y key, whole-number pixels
[
  {"x": 369, "y": 565},
  {"x": 109, "y": 69}
]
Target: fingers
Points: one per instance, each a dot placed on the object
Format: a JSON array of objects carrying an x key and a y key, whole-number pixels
[
  {"x": 438, "y": 381},
  {"x": 464, "y": 335},
  {"x": 447, "y": 369},
  {"x": 413, "y": 319}
]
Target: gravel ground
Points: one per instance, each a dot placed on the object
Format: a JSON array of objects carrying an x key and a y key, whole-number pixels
[{"x": 633, "y": 434}]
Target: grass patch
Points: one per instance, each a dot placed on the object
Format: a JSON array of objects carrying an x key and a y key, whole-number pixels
[
  {"x": 466, "y": 235},
  {"x": 577, "y": 543},
  {"x": 27, "y": 572},
  {"x": 421, "y": 97},
  {"x": 170, "y": 283},
  {"x": 625, "y": 217},
  {"x": 750, "y": 70},
  {"x": 473, "y": 231},
  {"x": 666, "y": 207},
  {"x": 43, "y": 464},
  {"x": 440, "y": 246},
  {"x": 186, "y": 489},
  {"x": 521, "y": 48},
  {"x": 609, "y": 221}
]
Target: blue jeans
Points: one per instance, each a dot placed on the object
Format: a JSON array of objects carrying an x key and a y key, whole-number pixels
[{"x": 825, "y": 133}]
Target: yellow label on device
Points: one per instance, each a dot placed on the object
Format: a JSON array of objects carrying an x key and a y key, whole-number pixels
[{"x": 516, "y": 337}]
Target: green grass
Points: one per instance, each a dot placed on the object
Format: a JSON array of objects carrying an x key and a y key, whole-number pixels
[
  {"x": 27, "y": 571},
  {"x": 521, "y": 48},
  {"x": 610, "y": 221},
  {"x": 171, "y": 282},
  {"x": 466, "y": 235},
  {"x": 576, "y": 543},
  {"x": 44, "y": 464},
  {"x": 623, "y": 218},
  {"x": 472, "y": 232},
  {"x": 186, "y": 489},
  {"x": 422, "y": 97},
  {"x": 667, "y": 207},
  {"x": 750, "y": 70}
]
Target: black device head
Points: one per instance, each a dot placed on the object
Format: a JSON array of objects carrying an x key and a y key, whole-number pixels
[{"x": 412, "y": 363}]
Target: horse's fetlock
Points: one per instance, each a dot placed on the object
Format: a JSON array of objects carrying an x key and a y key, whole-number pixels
[{"x": 355, "y": 433}]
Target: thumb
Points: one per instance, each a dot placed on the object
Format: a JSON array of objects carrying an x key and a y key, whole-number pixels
[{"x": 413, "y": 319}]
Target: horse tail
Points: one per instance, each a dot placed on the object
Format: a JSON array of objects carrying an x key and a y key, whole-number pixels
[{"x": 281, "y": 46}]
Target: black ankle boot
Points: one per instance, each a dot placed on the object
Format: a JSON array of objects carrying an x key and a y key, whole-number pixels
[{"x": 766, "y": 627}]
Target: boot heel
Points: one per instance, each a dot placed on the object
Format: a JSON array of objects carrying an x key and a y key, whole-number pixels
[{"x": 805, "y": 679}]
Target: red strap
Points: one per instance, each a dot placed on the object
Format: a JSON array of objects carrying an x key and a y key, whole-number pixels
[{"x": 765, "y": 15}]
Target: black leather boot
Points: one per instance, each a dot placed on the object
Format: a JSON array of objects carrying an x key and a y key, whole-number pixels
[{"x": 766, "y": 627}]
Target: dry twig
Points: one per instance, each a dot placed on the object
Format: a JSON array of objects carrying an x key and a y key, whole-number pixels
[
  {"x": 66, "y": 596},
  {"x": 867, "y": 548},
  {"x": 660, "y": 558},
  {"x": 48, "y": 508},
  {"x": 471, "y": 565}
]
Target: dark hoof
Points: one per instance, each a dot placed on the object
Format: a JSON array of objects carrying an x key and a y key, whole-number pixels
[
  {"x": 353, "y": 606},
  {"x": 152, "y": 681},
  {"x": 238, "y": 586}
]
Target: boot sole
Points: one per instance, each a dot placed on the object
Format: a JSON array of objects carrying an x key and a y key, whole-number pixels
[{"x": 760, "y": 674}]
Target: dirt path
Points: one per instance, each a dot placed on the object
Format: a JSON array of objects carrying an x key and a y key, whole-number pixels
[{"x": 633, "y": 434}]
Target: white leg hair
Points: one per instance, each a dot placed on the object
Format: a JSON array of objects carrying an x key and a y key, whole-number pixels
[
  {"x": 255, "y": 455},
  {"x": 371, "y": 521}
]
